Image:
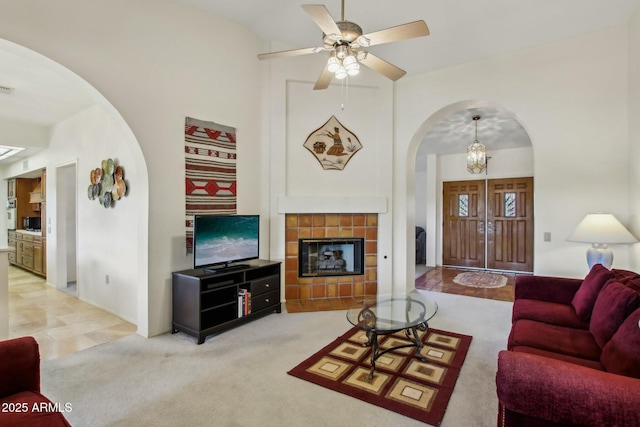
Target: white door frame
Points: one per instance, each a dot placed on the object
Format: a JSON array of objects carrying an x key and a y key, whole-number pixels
[{"x": 62, "y": 208}]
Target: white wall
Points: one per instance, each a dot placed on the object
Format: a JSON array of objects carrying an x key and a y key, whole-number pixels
[
  {"x": 634, "y": 137},
  {"x": 72, "y": 190},
  {"x": 155, "y": 62},
  {"x": 104, "y": 235},
  {"x": 571, "y": 98},
  {"x": 104, "y": 245},
  {"x": 295, "y": 110}
]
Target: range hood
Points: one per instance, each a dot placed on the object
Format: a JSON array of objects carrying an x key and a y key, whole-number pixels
[{"x": 36, "y": 195}]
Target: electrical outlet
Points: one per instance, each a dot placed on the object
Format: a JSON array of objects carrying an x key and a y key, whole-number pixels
[
  {"x": 106, "y": 279},
  {"x": 547, "y": 236}
]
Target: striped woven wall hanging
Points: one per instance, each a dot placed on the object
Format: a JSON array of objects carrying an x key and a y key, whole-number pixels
[{"x": 210, "y": 171}]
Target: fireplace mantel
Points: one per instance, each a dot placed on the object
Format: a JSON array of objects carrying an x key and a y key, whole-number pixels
[{"x": 302, "y": 205}]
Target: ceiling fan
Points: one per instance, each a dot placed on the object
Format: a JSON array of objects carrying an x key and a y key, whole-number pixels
[{"x": 347, "y": 46}]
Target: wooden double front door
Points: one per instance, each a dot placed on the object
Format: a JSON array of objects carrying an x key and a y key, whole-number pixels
[{"x": 489, "y": 224}]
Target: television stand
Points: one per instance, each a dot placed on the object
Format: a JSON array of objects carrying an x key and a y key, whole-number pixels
[
  {"x": 206, "y": 303},
  {"x": 225, "y": 267}
]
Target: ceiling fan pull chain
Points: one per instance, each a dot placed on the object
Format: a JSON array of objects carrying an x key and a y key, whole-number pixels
[{"x": 345, "y": 92}]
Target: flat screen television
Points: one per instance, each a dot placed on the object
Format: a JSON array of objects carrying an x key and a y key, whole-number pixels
[{"x": 219, "y": 240}]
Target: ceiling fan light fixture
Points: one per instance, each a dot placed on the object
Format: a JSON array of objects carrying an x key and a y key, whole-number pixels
[
  {"x": 341, "y": 51},
  {"x": 344, "y": 38},
  {"x": 351, "y": 65},
  {"x": 333, "y": 64}
]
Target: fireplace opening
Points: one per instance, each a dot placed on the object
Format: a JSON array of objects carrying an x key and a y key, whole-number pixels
[{"x": 330, "y": 257}]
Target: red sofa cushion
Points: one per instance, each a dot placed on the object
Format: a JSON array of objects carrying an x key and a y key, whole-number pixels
[
  {"x": 43, "y": 416},
  {"x": 628, "y": 278},
  {"x": 557, "y": 339},
  {"x": 547, "y": 312},
  {"x": 564, "y": 393},
  {"x": 593, "y": 364},
  {"x": 613, "y": 305},
  {"x": 621, "y": 355},
  {"x": 586, "y": 296},
  {"x": 20, "y": 360}
]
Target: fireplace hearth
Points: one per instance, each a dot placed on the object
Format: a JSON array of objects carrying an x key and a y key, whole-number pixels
[{"x": 330, "y": 257}]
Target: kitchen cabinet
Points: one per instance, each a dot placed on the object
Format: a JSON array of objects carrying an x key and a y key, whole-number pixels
[
  {"x": 30, "y": 251},
  {"x": 24, "y": 207},
  {"x": 29, "y": 201},
  {"x": 11, "y": 189}
]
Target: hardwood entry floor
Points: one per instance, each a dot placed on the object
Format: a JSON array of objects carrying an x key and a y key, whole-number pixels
[
  {"x": 440, "y": 279},
  {"x": 437, "y": 279},
  {"x": 61, "y": 323}
]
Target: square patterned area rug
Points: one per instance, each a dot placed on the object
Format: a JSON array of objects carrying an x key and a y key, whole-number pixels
[{"x": 401, "y": 383}]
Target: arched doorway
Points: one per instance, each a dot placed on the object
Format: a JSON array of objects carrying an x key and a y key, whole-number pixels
[
  {"x": 440, "y": 155},
  {"x": 93, "y": 131}
]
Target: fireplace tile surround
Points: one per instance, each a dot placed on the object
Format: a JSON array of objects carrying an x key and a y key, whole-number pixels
[{"x": 323, "y": 225}]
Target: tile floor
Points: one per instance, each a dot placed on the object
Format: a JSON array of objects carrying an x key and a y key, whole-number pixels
[
  {"x": 61, "y": 323},
  {"x": 438, "y": 279}
]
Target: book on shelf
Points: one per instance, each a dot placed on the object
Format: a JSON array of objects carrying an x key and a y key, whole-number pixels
[{"x": 244, "y": 302}]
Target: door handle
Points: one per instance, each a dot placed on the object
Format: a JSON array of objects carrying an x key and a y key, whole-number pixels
[
  {"x": 481, "y": 227},
  {"x": 489, "y": 228}
]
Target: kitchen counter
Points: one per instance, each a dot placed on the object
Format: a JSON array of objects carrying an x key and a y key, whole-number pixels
[{"x": 30, "y": 233}]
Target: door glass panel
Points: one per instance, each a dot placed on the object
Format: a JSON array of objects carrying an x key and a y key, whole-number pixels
[
  {"x": 510, "y": 204},
  {"x": 463, "y": 205}
]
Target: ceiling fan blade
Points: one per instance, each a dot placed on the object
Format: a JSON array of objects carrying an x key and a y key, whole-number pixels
[
  {"x": 401, "y": 32},
  {"x": 383, "y": 67},
  {"x": 324, "y": 80},
  {"x": 322, "y": 18},
  {"x": 285, "y": 53}
]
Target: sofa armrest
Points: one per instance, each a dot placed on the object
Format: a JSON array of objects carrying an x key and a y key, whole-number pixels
[
  {"x": 19, "y": 366},
  {"x": 565, "y": 393},
  {"x": 552, "y": 289}
]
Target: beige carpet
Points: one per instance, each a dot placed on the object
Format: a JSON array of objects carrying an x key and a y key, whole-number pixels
[{"x": 239, "y": 378}]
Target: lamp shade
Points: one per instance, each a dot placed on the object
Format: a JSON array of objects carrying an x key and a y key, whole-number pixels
[{"x": 601, "y": 228}]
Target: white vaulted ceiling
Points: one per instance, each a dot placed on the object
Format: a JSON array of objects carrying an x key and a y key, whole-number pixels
[{"x": 461, "y": 31}]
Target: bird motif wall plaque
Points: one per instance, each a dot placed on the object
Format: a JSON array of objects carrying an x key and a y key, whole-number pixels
[{"x": 333, "y": 145}]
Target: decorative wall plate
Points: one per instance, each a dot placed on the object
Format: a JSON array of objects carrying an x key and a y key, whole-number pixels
[
  {"x": 333, "y": 145},
  {"x": 107, "y": 183}
]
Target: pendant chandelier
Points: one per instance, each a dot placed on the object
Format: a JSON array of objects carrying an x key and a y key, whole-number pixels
[{"x": 476, "y": 154}]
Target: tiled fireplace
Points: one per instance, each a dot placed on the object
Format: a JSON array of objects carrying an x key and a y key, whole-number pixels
[{"x": 343, "y": 227}]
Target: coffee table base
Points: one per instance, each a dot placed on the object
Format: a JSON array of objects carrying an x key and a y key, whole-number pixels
[{"x": 411, "y": 334}]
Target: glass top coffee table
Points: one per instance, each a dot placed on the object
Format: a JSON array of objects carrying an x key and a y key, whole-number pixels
[{"x": 388, "y": 315}]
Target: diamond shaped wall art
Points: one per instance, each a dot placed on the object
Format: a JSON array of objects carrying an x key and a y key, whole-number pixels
[{"x": 333, "y": 145}]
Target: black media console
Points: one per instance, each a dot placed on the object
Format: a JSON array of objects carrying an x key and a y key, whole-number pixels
[{"x": 206, "y": 303}]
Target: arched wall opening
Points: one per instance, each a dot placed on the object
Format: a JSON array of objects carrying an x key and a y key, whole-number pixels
[
  {"x": 112, "y": 243},
  {"x": 427, "y": 167}
]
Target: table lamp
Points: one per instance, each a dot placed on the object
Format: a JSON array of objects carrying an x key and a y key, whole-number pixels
[{"x": 601, "y": 229}]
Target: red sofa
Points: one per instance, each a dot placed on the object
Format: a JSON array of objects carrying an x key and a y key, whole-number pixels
[
  {"x": 573, "y": 353},
  {"x": 21, "y": 403}
]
